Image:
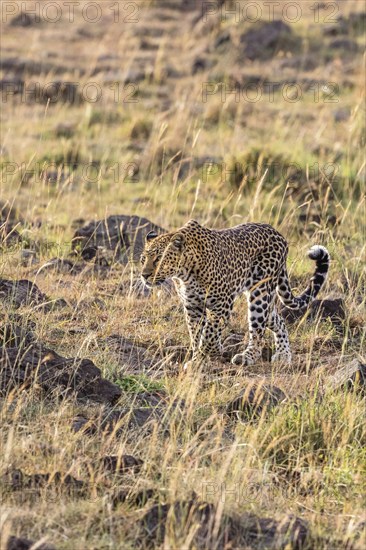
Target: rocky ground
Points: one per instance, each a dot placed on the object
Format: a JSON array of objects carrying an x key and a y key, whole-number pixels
[{"x": 140, "y": 116}]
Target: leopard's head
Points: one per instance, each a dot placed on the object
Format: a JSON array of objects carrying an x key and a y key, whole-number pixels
[{"x": 168, "y": 255}]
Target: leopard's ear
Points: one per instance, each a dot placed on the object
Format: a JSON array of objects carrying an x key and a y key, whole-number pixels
[
  {"x": 178, "y": 241},
  {"x": 151, "y": 235},
  {"x": 193, "y": 223}
]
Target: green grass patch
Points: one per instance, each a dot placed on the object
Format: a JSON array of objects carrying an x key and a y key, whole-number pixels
[{"x": 138, "y": 383}]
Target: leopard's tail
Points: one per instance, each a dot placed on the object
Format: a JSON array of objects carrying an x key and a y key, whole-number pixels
[{"x": 322, "y": 261}]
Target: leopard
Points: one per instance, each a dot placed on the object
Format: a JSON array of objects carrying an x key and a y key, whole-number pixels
[{"x": 210, "y": 268}]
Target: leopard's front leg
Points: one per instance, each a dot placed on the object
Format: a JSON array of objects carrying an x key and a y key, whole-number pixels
[
  {"x": 205, "y": 329},
  {"x": 217, "y": 314},
  {"x": 210, "y": 342},
  {"x": 192, "y": 298},
  {"x": 206, "y": 341},
  {"x": 195, "y": 318}
]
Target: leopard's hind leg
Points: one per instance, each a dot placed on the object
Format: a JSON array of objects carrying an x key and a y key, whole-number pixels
[
  {"x": 260, "y": 302},
  {"x": 277, "y": 325}
]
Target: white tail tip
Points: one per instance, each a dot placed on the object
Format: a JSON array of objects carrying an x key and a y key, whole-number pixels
[{"x": 317, "y": 252}]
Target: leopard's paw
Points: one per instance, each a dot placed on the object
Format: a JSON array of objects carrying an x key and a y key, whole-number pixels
[
  {"x": 283, "y": 357},
  {"x": 245, "y": 359}
]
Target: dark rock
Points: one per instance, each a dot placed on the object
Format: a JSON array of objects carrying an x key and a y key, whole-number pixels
[
  {"x": 69, "y": 483},
  {"x": 21, "y": 367},
  {"x": 121, "y": 464},
  {"x": 203, "y": 165},
  {"x": 141, "y": 130},
  {"x": 109, "y": 420},
  {"x": 89, "y": 31},
  {"x": 25, "y": 20},
  {"x": 336, "y": 29},
  {"x": 28, "y": 257},
  {"x": 11, "y": 86},
  {"x": 81, "y": 376},
  {"x": 233, "y": 532},
  {"x": 200, "y": 64},
  {"x": 175, "y": 354},
  {"x": 148, "y": 46},
  {"x": 264, "y": 40},
  {"x": 98, "y": 265},
  {"x": 310, "y": 217},
  {"x": 289, "y": 532},
  {"x": 65, "y": 129},
  {"x": 58, "y": 304},
  {"x": 159, "y": 398},
  {"x": 131, "y": 76},
  {"x": 183, "y": 5},
  {"x": 151, "y": 398},
  {"x": 306, "y": 62},
  {"x": 16, "y": 480},
  {"x": 8, "y": 234},
  {"x": 137, "y": 417},
  {"x": 20, "y": 543},
  {"x": 186, "y": 513},
  {"x": 129, "y": 354},
  {"x": 223, "y": 39},
  {"x": 21, "y": 293},
  {"x": 9, "y": 213},
  {"x": 254, "y": 400},
  {"x": 355, "y": 23},
  {"x": 351, "y": 377},
  {"x": 89, "y": 253},
  {"x": 117, "y": 420},
  {"x": 79, "y": 222},
  {"x": 192, "y": 5},
  {"x": 123, "y": 234},
  {"x": 20, "y": 66},
  {"x": 131, "y": 498},
  {"x": 91, "y": 302},
  {"x": 16, "y": 332},
  {"x": 344, "y": 44},
  {"x": 82, "y": 424},
  {"x": 334, "y": 310},
  {"x": 109, "y": 57},
  {"x": 341, "y": 115},
  {"x": 10, "y": 223}
]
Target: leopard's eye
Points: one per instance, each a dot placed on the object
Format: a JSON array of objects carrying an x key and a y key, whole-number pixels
[{"x": 156, "y": 261}]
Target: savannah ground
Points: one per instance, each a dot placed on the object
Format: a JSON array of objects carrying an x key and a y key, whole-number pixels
[{"x": 152, "y": 129}]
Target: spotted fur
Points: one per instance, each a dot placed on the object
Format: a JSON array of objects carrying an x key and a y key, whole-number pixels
[{"x": 211, "y": 267}]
